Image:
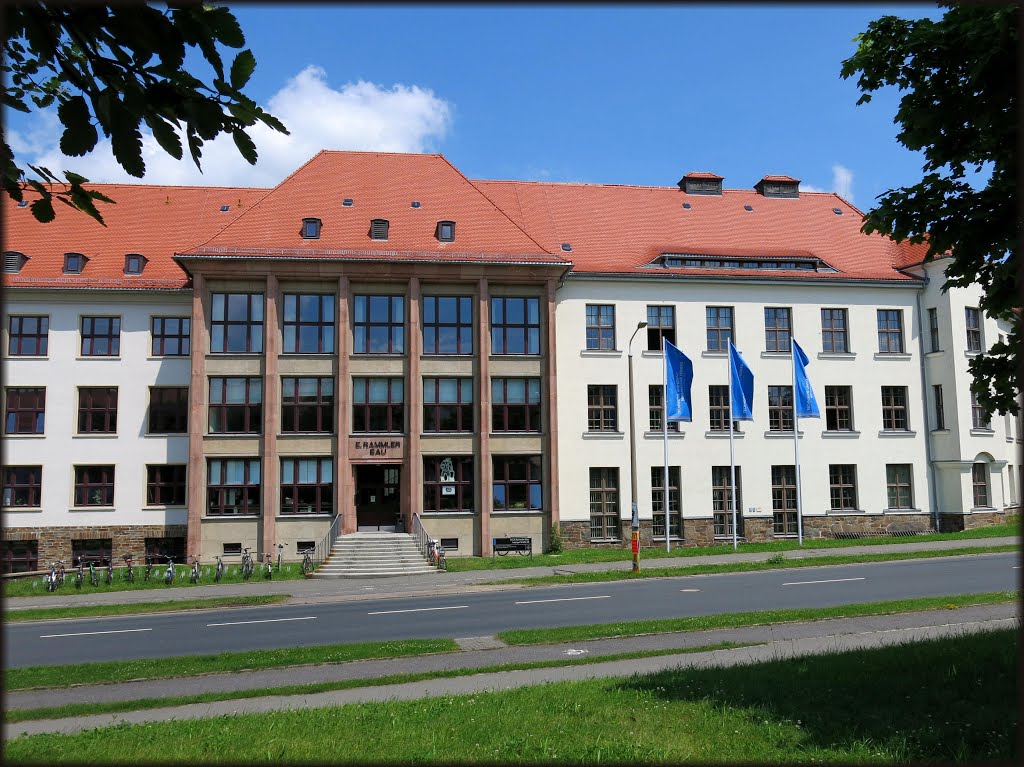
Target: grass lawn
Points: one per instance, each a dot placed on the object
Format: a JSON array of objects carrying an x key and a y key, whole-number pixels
[
  {"x": 580, "y": 556},
  {"x": 99, "y": 611},
  {"x": 936, "y": 701}
]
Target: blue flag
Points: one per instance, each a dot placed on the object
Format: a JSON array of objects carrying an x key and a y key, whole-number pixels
[
  {"x": 742, "y": 381},
  {"x": 679, "y": 375},
  {"x": 806, "y": 406}
]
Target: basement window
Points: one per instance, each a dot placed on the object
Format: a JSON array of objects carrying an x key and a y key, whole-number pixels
[
  {"x": 301, "y": 547},
  {"x": 134, "y": 263},
  {"x": 379, "y": 229},
  {"x": 13, "y": 261},
  {"x": 232, "y": 549},
  {"x": 449, "y": 544},
  {"x": 311, "y": 228},
  {"x": 74, "y": 263},
  {"x": 445, "y": 231}
]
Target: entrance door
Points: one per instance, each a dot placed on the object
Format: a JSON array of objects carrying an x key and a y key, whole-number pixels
[{"x": 377, "y": 497}]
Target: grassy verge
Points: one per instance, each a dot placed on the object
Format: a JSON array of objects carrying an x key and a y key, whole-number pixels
[
  {"x": 946, "y": 700},
  {"x": 582, "y": 556},
  {"x": 140, "y": 704},
  {"x": 777, "y": 562},
  {"x": 734, "y": 620},
  {"x": 101, "y": 611},
  {"x": 194, "y": 665},
  {"x": 36, "y": 586}
]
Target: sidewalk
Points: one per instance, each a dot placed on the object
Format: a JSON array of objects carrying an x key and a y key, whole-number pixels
[{"x": 330, "y": 590}]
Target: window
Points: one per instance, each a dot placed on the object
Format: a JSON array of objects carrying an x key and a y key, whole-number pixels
[
  {"x": 601, "y": 408},
  {"x": 838, "y": 408},
  {"x": 658, "y": 502},
  {"x": 232, "y": 487},
  {"x": 26, "y": 411},
  {"x": 940, "y": 407},
  {"x": 933, "y": 329},
  {"x": 94, "y": 486},
  {"x": 445, "y": 231},
  {"x": 721, "y": 500},
  {"x": 979, "y": 418},
  {"x": 515, "y": 404},
  {"x": 165, "y": 485},
  {"x": 447, "y": 404},
  {"x": 97, "y": 410},
  {"x": 236, "y": 323},
  {"x": 447, "y": 325},
  {"x": 379, "y": 326},
  {"x": 168, "y": 409},
  {"x": 656, "y": 403},
  {"x": 973, "y": 318},
  {"x": 600, "y": 326},
  {"x": 19, "y": 556},
  {"x": 517, "y": 482},
  {"x": 236, "y": 405},
  {"x": 890, "y": 331},
  {"x": 307, "y": 486},
  {"x": 23, "y": 486},
  {"x": 842, "y": 480},
  {"x": 448, "y": 483},
  {"x": 784, "y": 521},
  {"x": 661, "y": 323},
  {"x": 979, "y": 482},
  {"x": 310, "y": 228},
  {"x": 171, "y": 336},
  {"x": 173, "y": 547},
  {"x": 515, "y": 326},
  {"x": 719, "y": 410},
  {"x": 379, "y": 229},
  {"x": 834, "y": 339},
  {"x": 378, "y": 405},
  {"x": 27, "y": 336},
  {"x": 13, "y": 260},
  {"x": 307, "y": 405},
  {"x": 894, "y": 408},
  {"x": 74, "y": 263},
  {"x": 308, "y": 324},
  {"x": 778, "y": 324},
  {"x": 899, "y": 486},
  {"x": 604, "y": 503},
  {"x": 91, "y": 549},
  {"x": 719, "y": 320},
  {"x": 780, "y": 408},
  {"x": 101, "y": 336},
  {"x": 134, "y": 263}
]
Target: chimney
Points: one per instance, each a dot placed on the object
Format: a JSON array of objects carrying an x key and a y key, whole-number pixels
[
  {"x": 778, "y": 186},
  {"x": 701, "y": 182}
]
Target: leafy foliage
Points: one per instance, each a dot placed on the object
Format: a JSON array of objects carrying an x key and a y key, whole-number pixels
[
  {"x": 110, "y": 69},
  {"x": 958, "y": 76}
]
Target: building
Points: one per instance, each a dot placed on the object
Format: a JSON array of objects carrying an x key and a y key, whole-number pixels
[{"x": 380, "y": 342}]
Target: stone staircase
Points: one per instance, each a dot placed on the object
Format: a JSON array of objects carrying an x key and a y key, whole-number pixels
[{"x": 374, "y": 555}]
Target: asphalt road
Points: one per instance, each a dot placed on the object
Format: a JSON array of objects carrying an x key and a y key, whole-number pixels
[{"x": 485, "y": 614}]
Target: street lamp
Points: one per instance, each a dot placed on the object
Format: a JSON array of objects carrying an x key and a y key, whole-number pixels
[{"x": 632, "y": 454}]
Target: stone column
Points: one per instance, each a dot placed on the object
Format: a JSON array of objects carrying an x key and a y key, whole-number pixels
[
  {"x": 344, "y": 485},
  {"x": 198, "y": 391},
  {"x": 271, "y": 469},
  {"x": 552, "y": 399},
  {"x": 413, "y": 502},
  {"x": 485, "y": 469}
]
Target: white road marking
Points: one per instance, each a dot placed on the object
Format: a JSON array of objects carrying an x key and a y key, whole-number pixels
[
  {"x": 419, "y": 610},
  {"x": 689, "y": 590},
  {"x": 833, "y": 580},
  {"x": 565, "y": 599},
  {"x": 91, "y": 633},
  {"x": 269, "y": 620}
]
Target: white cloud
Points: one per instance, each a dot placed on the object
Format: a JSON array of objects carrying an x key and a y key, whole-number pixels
[
  {"x": 356, "y": 116},
  {"x": 810, "y": 188},
  {"x": 842, "y": 183}
]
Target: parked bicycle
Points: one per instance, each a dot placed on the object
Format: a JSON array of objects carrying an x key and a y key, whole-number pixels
[
  {"x": 169, "y": 572},
  {"x": 280, "y": 548},
  {"x": 80, "y": 574},
  {"x": 307, "y": 561},
  {"x": 150, "y": 561},
  {"x": 247, "y": 564},
  {"x": 56, "y": 576},
  {"x": 110, "y": 570},
  {"x": 268, "y": 567},
  {"x": 437, "y": 556},
  {"x": 194, "y": 573},
  {"x": 94, "y": 579},
  {"x": 218, "y": 571},
  {"x": 129, "y": 572}
]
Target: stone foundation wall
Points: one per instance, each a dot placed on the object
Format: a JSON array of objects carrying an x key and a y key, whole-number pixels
[
  {"x": 954, "y": 523},
  {"x": 55, "y": 542},
  {"x": 828, "y": 526}
]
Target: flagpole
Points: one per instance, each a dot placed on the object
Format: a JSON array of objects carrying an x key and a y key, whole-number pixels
[
  {"x": 664, "y": 431},
  {"x": 732, "y": 455},
  {"x": 796, "y": 450}
]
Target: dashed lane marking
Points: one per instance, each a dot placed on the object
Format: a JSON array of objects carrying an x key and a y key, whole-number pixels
[
  {"x": 419, "y": 610},
  {"x": 831, "y": 580},
  {"x": 91, "y": 633},
  {"x": 565, "y": 599},
  {"x": 269, "y": 620}
]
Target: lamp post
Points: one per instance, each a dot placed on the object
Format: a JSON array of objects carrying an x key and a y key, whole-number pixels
[{"x": 632, "y": 455}]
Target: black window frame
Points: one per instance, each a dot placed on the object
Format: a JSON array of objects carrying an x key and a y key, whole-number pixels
[
  {"x": 938, "y": 402},
  {"x": 445, "y": 231},
  {"x": 19, "y": 337},
  {"x": 17, "y": 412},
  {"x": 890, "y": 331},
  {"x": 365, "y": 323},
  {"x": 981, "y": 495},
  {"x": 436, "y": 329},
  {"x": 221, "y": 321},
  {"x": 778, "y": 328},
  {"x": 656, "y": 409},
  {"x": 296, "y": 411},
  {"x": 973, "y": 327},
  {"x": 107, "y": 340},
  {"x": 19, "y": 556},
  {"x": 162, "y": 336},
  {"x": 899, "y": 485},
  {"x": 895, "y": 408},
  {"x": 661, "y": 323},
  {"x": 600, "y": 327},
  {"x": 528, "y": 412},
  {"x": 464, "y": 485},
  {"x": 780, "y": 408},
  {"x": 602, "y": 408},
  {"x": 92, "y": 479},
  {"x": 784, "y": 506},
  {"x": 838, "y": 408},
  {"x": 437, "y": 413},
  {"x": 366, "y": 413},
  {"x": 97, "y": 410},
  {"x": 842, "y": 486},
  {"x": 502, "y": 328},
  {"x": 675, "y": 516},
  {"x": 251, "y": 410},
  {"x": 166, "y": 484},
  {"x": 310, "y": 229},
  {"x": 250, "y": 491},
  {"x": 168, "y": 410},
  {"x": 721, "y": 501},
  {"x": 131, "y": 260},
  {"x": 933, "y": 329},
  {"x": 294, "y": 320},
  {"x": 532, "y": 480},
  {"x": 835, "y": 331},
  {"x": 317, "y": 496},
  {"x": 720, "y": 409},
  {"x": 980, "y": 419},
  {"x": 605, "y": 500},
  {"x": 22, "y": 483},
  {"x": 721, "y": 327}
]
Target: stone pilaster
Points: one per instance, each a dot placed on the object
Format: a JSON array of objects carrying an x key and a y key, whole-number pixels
[
  {"x": 271, "y": 469},
  {"x": 198, "y": 394}
]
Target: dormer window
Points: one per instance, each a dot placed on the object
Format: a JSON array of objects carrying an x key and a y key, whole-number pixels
[
  {"x": 701, "y": 182},
  {"x": 445, "y": 231},
  {"x": 74, "y": 263},
  {"x": 13, "y": 261},
  {"x": 778, "y": 186},
  {"x": 134, "y": 263},
  {"x": 379, "y": 229},
  {"x": 311, "y": 228}
]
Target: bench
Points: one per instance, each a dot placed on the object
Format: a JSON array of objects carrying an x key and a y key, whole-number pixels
[{"x": 520, "y": 545}]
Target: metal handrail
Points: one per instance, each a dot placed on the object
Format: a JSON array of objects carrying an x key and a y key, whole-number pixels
[
  {"x": 323, "y": 548},
  {"x": 423, "y": 540}
]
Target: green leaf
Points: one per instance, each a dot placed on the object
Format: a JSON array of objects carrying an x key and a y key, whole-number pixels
[
  {"x": 126, "y": 139},
  {"x": 225, "y": 27},
  {"x": 42, "y": 210},
  {"x": 80, "y": 134},
  {"x": 165, "y": 135},
  {"x": 245, "y": 145},
  {"x": 74, "y": 179},
  {"x": 242, "y": 68}
]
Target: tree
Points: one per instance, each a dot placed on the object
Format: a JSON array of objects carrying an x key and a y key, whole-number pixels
[
  {"x": 115, "y": 68},
  {"x": 959, "y": 79}
]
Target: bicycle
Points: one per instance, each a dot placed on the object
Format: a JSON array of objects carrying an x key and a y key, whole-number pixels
[
  {"x": 169, "y": 573},
  {"x": 110, "y": 570},
  {"x": 129, "y": 573},
  {"x": 437, "y": 556},
  {"x": 280, "y": 547},
  {"x": 307, "y": 561},
  {"x": 194, "y": 573},
  {"x": 93, "y": 578},
  {"x": 268, "y": 567},
  {"x": 56, "y": 576},
  {"x": 150, "y": 561},
  {"x": 218, "y": 571},
  {"x": 247, "y": 565},
  {"x": 80, "y": 574}
]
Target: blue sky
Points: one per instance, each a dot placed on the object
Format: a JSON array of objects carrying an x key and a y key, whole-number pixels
[{"x": 600, "y": 94}]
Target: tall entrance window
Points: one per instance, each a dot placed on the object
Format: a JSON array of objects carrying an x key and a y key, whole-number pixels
[
  {"x": 604, "y": 502},
  {"x": 784, "y": 500},
  {"x": 378, "y": 503},
  {"x": 721, "y": 500},
  {"x": 658, "y": 501}
]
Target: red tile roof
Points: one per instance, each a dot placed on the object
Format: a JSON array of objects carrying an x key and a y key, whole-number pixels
[
  {"x": 702, "y": 174},
  {"x": 790, "y": 179},
  {"x": 615, "y": 229}
]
